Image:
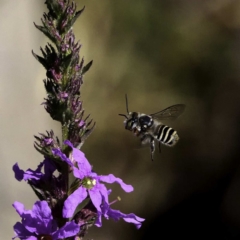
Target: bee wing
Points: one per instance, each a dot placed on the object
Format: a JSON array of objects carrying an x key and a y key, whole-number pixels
[{"x": 171, "y": 112}]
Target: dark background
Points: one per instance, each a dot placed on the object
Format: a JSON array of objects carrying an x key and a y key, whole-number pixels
[{"x": 160, "y": 53}]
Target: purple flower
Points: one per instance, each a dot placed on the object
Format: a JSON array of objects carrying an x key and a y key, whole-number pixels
[
  {"x": 45, "y": 184},
  {"x": 90, "y": 182},
  {"x": 116, "y": 215},
  {"x": 35, "y": 175},
  {"x": 38, "y": 223}
]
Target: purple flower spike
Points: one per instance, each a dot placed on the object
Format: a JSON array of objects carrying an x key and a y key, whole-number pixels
[
  {"x": 72, "y": 197},
  {"x": 39, "y": 223}
]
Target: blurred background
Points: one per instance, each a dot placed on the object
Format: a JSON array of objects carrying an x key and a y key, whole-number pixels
[{"x": 159, "y": 52}]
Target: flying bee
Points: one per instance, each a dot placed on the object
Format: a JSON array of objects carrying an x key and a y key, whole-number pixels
[{"x": 149, "y": 128}]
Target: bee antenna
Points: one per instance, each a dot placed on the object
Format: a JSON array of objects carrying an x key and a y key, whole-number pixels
[
  {"x": 122, "y": 115},
  {"x": 126, "y": 103}
]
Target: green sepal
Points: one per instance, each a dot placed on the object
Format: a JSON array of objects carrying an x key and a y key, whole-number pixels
[
  {"x": 74, "y": 186},
  {"x": 46, "y": 32},
  {"x": 40, "y": 59},
  {"x": 84, "y": 203},
  {"x": 40, "y": 150},
  {"x": 38, "y": 194},
  {"x": 85, "y": 135},
  {"x": 53, "y": 7},
  {"x": 87, "y": 67},
  {"x": 66, "y": 62},
  {"x": 73, "y": 20}
]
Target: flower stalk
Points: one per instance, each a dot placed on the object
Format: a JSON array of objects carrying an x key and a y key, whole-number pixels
[{"x": 68, "y": 207}]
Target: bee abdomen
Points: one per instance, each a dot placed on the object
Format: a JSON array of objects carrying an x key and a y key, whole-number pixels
[{"x": 167, "y": 135}]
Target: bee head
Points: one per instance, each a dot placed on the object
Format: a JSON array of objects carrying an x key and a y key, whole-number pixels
[
  {"x": 131, "y": 118},
  {"x": 131, "y": 121}
]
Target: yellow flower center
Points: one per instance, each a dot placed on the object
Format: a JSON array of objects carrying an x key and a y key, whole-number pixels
[{"x": 88, "y": 182}]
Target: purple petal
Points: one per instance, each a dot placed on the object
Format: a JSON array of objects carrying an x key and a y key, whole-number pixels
[
  {"x": 96, "y": 198},
  {"x": 107, "y": 212},
  {"x": 31, "y": 174},
  {"x": 30, "y": 223},
  {"x": 104, "y": 191},
  {"x": 41, "y": 211},
  {"x": 97, "y": 193},
  {"x": 79, "y": 173},
  {"x": 68, "y": 230},
  {"x": 18, "y": 172},
  {"x": 40, "y": 219},
  {"x": 98, "y": 221},
  {"x": 111, "y": 179},
  {"x": 73, "y": 200},
  {"x": 34, "y": 174},
  {"x": 49, "y": 168},
  {"x": 39, "y": 167},
  {"x": 105, "y": 207},
  {"x": 60, "y": 154},
  {"x": 83, "y": 170},
  {"x": 26, "y": 216},
  {"x": 82, "y": 162},
  {"x": 19, "y": 207},
  {"x": 67, "y": 142},
  {"x": 32, "y": 238},
  {"x": 42, "y": 214},
  {"x": 80, "y": 158},
  {"x": 130, "y": 218},
  {"x": 21, "y": 231}
]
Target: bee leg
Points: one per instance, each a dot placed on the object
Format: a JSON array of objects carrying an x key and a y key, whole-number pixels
[
  {"x": 145, "y": 139},
  {"x": 148, "y": 139},
  {"x": 159, "y": 146},
  {"x": 152, "y": 147}
]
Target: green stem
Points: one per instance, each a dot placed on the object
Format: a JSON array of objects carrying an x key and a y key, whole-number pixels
[
  {"x": 65, "y": 166},
  {"x": 64, "y": 133}
]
